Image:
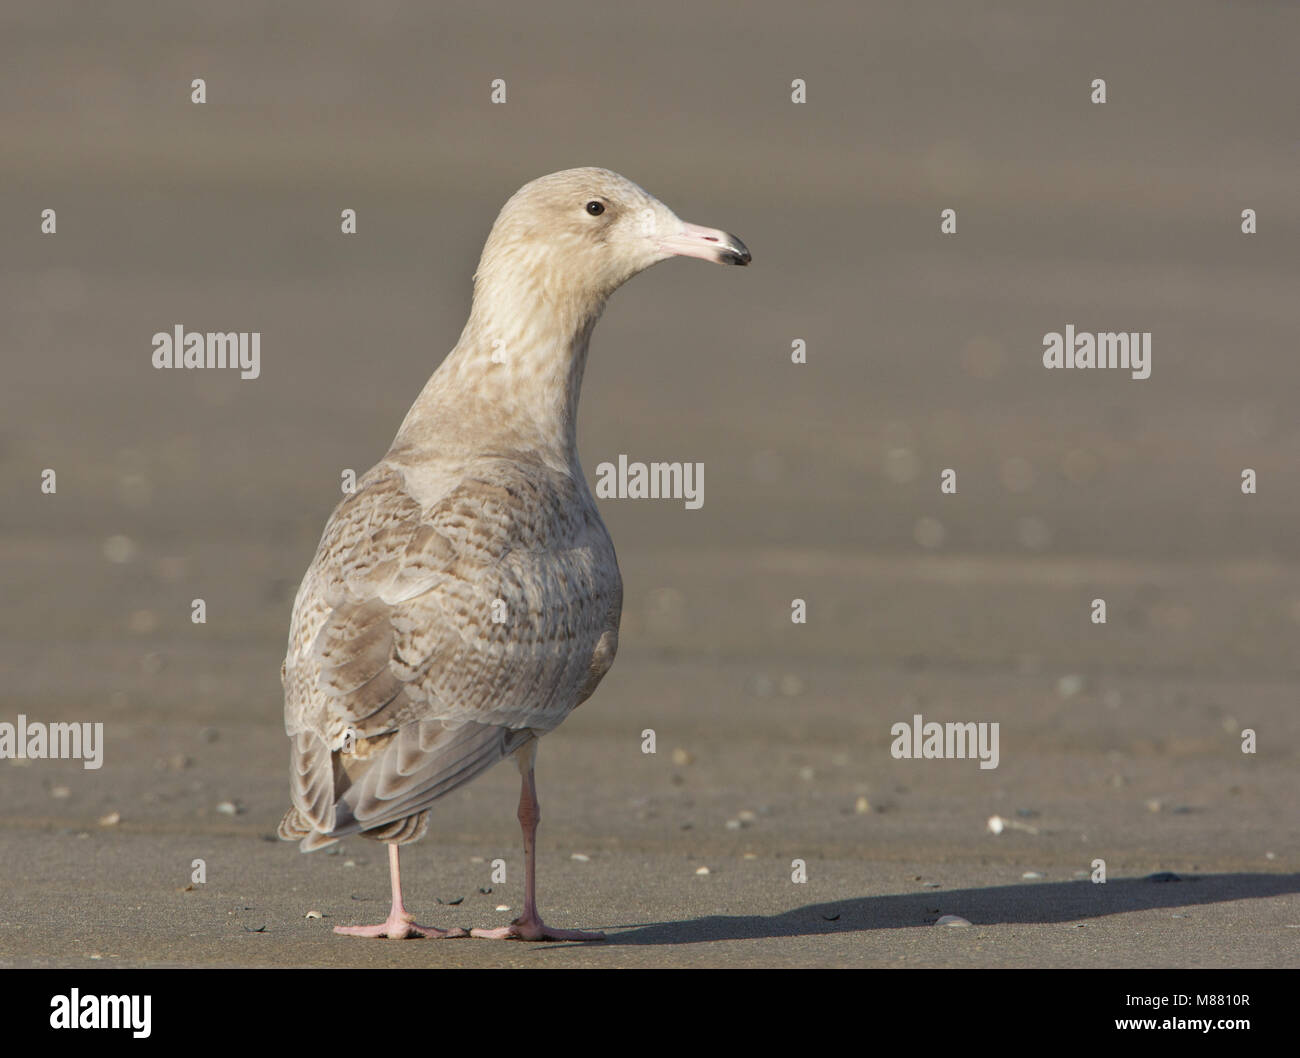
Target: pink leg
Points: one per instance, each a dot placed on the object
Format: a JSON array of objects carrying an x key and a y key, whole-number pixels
[
  {"x": 401, "y": 923},
  {"x": 529, "y": 925}
]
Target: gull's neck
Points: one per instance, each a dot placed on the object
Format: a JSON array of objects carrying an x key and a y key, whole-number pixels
[{"x": 512, "y": 382}]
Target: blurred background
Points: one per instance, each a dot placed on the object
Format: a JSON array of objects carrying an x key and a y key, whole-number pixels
[{"x": 822, "y": 480}]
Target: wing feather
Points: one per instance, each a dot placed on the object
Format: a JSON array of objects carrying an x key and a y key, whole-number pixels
[{"x": 429, "y": 642}]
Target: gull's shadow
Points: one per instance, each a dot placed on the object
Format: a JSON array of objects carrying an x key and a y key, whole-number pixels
[{"x": 1041, "y": 903}]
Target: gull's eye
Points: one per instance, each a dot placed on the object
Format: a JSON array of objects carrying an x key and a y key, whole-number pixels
[{"x": 595, "y": 208}]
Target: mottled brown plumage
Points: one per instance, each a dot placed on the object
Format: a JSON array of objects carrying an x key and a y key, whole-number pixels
[
  {"x": 430, "y": 643},
  {"x": 466, "y": 597}
]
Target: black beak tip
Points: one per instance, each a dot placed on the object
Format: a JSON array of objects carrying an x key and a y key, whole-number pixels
[{"x": 737, "y": 253}]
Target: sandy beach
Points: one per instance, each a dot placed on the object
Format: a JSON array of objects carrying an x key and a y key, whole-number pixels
[{"x": 1119, "y": 742}]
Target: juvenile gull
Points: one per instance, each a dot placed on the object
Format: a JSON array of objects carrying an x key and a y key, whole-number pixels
[{"x": 466, "y": 597}]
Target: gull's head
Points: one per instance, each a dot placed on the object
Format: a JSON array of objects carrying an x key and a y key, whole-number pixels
[{"x": 583, "y": 233}]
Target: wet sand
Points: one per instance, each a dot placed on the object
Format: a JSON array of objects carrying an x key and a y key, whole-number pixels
[{"x": 1119, "y": 742}]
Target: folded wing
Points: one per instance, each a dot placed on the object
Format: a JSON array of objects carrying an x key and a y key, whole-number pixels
[{"x": 428, "y": 643}]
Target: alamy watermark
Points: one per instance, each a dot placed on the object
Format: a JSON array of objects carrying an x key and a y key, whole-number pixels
[
  {"x": 931, "y": 740},
  {"x": 211, "y": 349},
  {"x": 39, "y": 741},
  {"x": 75, "y": 1011},
  {"x": 651, "y": 481},
  {"x": 1127, "y": 350}
]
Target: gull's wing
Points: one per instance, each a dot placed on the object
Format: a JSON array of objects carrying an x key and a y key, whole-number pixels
[{"x": 428, "y": 643}]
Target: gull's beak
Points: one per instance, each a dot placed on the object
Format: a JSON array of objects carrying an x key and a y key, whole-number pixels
[{"x": 708, "y": 243}]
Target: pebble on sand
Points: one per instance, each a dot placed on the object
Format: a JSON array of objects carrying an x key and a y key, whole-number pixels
[
  {"x": 1069, "y": 686},
  {"x": 119, "y": 549},
  {"x": 702, "y": 870},
  {"x": 952, "y": 920},
  {"x": 110, "y": 820},
  {"x": 997, "y": 824}
]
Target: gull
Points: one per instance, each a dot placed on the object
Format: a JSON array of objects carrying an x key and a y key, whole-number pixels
[{"x": 465, "y": 597}]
